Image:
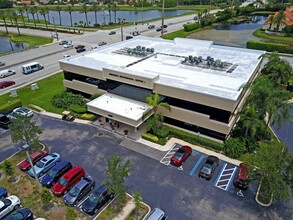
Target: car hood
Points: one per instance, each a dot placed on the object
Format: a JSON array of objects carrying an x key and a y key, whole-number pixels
[
  {"x": 69, "y": 199},
  {"x": 58, "y": 188},
  {"x": 47, "y": 180},
  {"x": 14, "y": 199},
  {"x": 88, "y": 205},
  {"x": 24, "y": 165}
]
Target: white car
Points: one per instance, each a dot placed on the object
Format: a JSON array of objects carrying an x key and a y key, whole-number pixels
[
  {"x": 68, "y": 45},
  {"x": 9, "y": 204},
  {"x": 23, "y": 111},
  {"x": 66, "y": 56},
  {"x": 5, "y": 73}
]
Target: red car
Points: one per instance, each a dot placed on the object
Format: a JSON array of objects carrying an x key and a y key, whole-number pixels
[
  {"x": 181, "y": 155},
  {"x": 35, "y": 157},
  {"x": 5, "y": 84},
  {"x": 68, "y": 180},
  {"x": 242, "y": 177}
]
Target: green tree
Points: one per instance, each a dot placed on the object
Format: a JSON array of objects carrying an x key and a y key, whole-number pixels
[
  {"x": 26, "y": 8},
  {"x": 116, "y": 174},
  {"x": 6, "y": 4},
  {"x": 15, "y": 17},
  {"x": 33, "y": 11},
  {"x": 115, "y": 8},
  {"x": 271, "y": 21},
  {"x": 234, "y": 147},
  {"x": 137, "y": 201},
  {"x": 21, "y": 11},
  {"x": 251, "y": 120},
  {"x": 36, "y": 8},
  {"x": 3, "y": 17},
  {"x": 109, "y": 8},
  {"x": 279, "y": 19},
  {"x": 85, "y": 10},
  {"x": 271, "y": 166},
  {"x": 70, "y": 9},
  {"x": 58, "y": 9},
  {"x": 43, "y": 11}
]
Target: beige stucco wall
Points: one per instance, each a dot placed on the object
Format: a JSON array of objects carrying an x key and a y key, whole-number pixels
[{"x": 83, "y": 87}]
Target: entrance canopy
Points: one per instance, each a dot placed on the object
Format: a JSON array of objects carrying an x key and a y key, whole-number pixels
[{"x": 121, "y": 109}]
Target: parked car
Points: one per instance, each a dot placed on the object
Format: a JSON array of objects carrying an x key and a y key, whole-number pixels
[
  {"x": 164, "y": 26},
  {"x": 96, "y": 200},
  {"x": 6, "y": 73},
  {"x": 93, "y": 81},
  {"x": 135, "y": 33},
  {"x": 102, "y": 43},
  {"x": 8, "y": 204},
  {"x": 151, "y": 26},
  {"x": 159, "y": 29},
  {"x": 79, "y": 191},
  {"x": 112, "y": 32},
  {"x": 165, "y": 31},
  {"x": 3, "y": 193},
  {"x": 2, "y": 64},
  {"x": 23, "y": 112},
  {"x": 79, "y": 46},
  {"x": 156, "y": 214},
  {"x": 66, "y": 56},
  {"x": 45, "y": 164},
  {"x": 63, "y": 42},
  {"x": 94, "y": 48},
  {"x": 5, "y": 84},
  {"x": 242, "y": 178},
  {"x": 4, "y": 121},
  {"x": 68, "y": 45},
  {"x": 20, "y": 214},
  {"x": 55, "y": 173},
  {"x": 128, "y": 37},
  {"x": 68, "y": 180},
  {"x": 181, "y": 155},
  {"x": 35, "y": 157},
  {"x": 209, "y": 167},
  {"x": 80, "y": 50}
]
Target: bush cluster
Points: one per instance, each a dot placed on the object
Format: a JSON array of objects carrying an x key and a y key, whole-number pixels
[
  {"x": 88, "y": 116},
  {"x": 150, "y": 137},
  {"x": 46, "y": 197},
  {"x": 251, "y": 44},
  {"x": 7, "y": 168},
  {"x": 66, "y": 99},
  {"x": 77, "y": 109},
  {"x": 191, "y": 27},
  {"x": 8, "y": 107}
]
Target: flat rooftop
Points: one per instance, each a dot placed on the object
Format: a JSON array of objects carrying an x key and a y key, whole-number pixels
[
  {"x": 118, "y": 105},
  {"x": 166, "y": 61}
]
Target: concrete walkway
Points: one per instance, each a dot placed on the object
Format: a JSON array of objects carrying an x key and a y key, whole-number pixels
[{"x": 127, "y": 209}]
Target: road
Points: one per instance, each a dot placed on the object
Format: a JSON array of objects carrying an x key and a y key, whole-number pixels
[{"x": 180, "y": 194}]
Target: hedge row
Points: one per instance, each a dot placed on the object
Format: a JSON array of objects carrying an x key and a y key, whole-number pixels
[
  {"x": 281, "y": 48},
  {"x": 8, "y": 107},
  {"x": 191, "y": 27},
  {"x": 154, "y": 139},
  {"x": 88, "y": 116}
]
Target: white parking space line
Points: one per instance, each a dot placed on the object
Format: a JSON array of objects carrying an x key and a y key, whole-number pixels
[
  {"x": 166, "y": 159},
  {"x": 225, "y": 177}
]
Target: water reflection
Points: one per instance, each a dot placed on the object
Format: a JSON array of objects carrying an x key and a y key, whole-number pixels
[{"x": 7, "y": 45}]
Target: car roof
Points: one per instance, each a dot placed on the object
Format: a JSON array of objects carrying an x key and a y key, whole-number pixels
[
  {"x": 46, "y": 158},
  {"x": 156, "y": 214},
  {"x": 33, "y": 155},
  {"x": 72, "y": 172},
  {"x": 212, "y": 158},
  {"x": 81, "y": 184},
  {"x": 243, "y": 171},
  {"x": 100, "y": 189},
  {"x": 60, "y": 165}
]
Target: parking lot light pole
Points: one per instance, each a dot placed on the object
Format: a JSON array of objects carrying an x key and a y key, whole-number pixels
[
  {"x": 26, "y": 148},
  {"x": 163, "y": 12}
]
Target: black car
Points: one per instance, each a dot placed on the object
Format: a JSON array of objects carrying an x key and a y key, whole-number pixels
[
  {"x": 159, "y": 29},
  {"x": 2, "y": 64},
  {"x": 4, "y": 121},
  {"x": 79, "y": 46},
  {"x": 20, "y": 214},
  {"x": 128, "y": 37},
  {"x": 164, "y": 26},
  {"x": 79, "y": 191},
  {"x": 96, "y": 200},
  {"x": 79, "y": 50},
  {"x": 55, "y": 173},
  {"x": 209, "y": 167}
]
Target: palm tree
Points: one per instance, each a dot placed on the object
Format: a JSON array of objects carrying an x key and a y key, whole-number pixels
[
  {"x": 14, "y": 15},
  {"x": 95, "y": 8},
  {"x": 43, "y": 11},
  {"x": 8, "y": 15},
  {"x": 26, "y": 8},
  {"x": 279, "y": 19},
  {"x": 109, "y": 8},
  {"x": 251, "y": 120},
  {"x": 271, "y": 20},
  {"x": 58, "y": 8},
  {"x": 3, "y": 17},
  {"x": 21, "y": 11},
  {"x": 85, "y": 11},
  {"x": 115, "y": 8},
  {"x": 37, "y": 10},
  {"x": 33, "y": 12},
  {"x": 69, "y": 9}
]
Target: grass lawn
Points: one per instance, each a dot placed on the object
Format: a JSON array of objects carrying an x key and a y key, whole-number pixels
[
  {"x": 26, "y": 189},
  {"x": 33, "y": 41},
  {"x": 138, "y": 214},
  {"x": 263, "y": 195},
  {"x": 274, "y": 38},
  {"x": 41, "y": 97}
]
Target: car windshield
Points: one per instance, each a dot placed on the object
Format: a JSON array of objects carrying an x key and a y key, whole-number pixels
[
  {"x": 40, "y": 164},
  {"x": 17, "y": 216},
  {"x": 94, "y": 197},
  {"x": 178, "y": 155},
  {"x": 74, "y": 192},
  {"x": 6, "y": 202},
  {"x": 25, "y": 110},
  {"x": 206, "y": 169},
  {"x": 52, "y": 173},
  {"x": 63, "y": 182}
]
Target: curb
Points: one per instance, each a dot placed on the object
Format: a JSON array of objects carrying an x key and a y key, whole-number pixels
[{"x": 260, "y": 203}]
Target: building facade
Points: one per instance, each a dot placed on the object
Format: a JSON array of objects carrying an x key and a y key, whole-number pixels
[{"x": 203, "y": 83}]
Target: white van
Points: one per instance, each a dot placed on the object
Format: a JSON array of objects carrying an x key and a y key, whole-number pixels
[{"x": 31, "y": 67}]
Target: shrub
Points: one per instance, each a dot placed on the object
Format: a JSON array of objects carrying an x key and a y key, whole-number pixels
[
  {"x": 8, "y": 168},
  {"x": 46, "y": 197},
  {"x": 8, "y": 107},
  {"x": 281, "y": 48},
  {"x": 163, "y": 132},
  {"x": 77, "y": 109},
  {"x": 70, "y": 214},
  {"x": 150, "y": 137},
  {"x": 234, "y": 147},
  {"x": 65, "y": 99},
  {"x": 88, "y": 116},
  {"x": 191, "y": 27},
  {"x": 162, "y": 141}
]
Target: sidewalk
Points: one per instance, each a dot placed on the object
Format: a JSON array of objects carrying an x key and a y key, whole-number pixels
[{"x": 127, "y": 209}]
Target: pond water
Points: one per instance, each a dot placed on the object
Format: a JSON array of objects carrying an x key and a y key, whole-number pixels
[
  {"x": 232, "y": 34},
  {"x": 6, "y": 45},
  {"x": 104, "y": 16}
]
